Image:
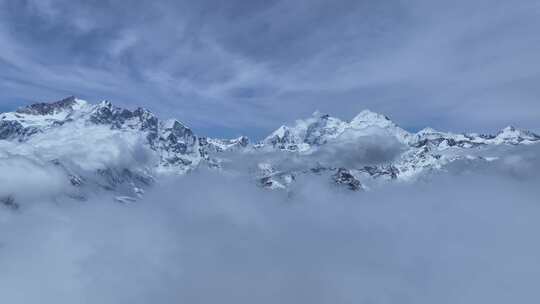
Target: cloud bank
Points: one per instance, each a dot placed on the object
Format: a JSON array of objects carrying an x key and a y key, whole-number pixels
[{"x": 465, "y": 236}]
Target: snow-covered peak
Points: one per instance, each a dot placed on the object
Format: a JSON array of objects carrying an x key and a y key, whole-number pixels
[
  {"x": 429, "y": 137},
  {"x": 224, "y": 145},
  {"x": 171, "y": 124},
  {"x": 431, "y": 134},
  {"x": 79, "y": 104},
  {"x": 48, "y": 109},
  {"x": 280, "y": 132},
  {"x": 313, "y": 131},
  {"x": 369, "y": 118},
  {"x": 173, "y": 143},
  {"x": 286, "y": 138},
  {"x": 427, "y": 131},
  {"x": 443, "y": 140},
  {"x": 511, "y": 135},
  {"x": 37, "y": 117},
  {"x": 105, "y": 104},
  {"x": 509, "y": 129},
  {"x": 290, "y": 134},
  {"x": 323, "y": 128},
  {"x": 174, "y": 130}
]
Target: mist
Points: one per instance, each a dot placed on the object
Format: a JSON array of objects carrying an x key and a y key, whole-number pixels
[{"x": 466, "y": 236}]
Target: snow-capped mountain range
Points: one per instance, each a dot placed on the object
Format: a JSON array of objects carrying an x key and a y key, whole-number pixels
[{"x": 125, "y": 151}]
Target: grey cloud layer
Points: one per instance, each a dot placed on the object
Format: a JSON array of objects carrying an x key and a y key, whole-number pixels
[
  {"x": 465, "y": 64},
  {"x": 465, "y": 236}
]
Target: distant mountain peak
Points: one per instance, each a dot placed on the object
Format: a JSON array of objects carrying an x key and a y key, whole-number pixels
[
  {"x": 322, "y": 128},
  {"x": 367, "y": 118},
  {"x": 509, "y": 129},
  {"x": 173, "y": 124},
  {"x": 105, "y": 104},
  {"x": 50, "y": 108},
  {"x": 512, "y": 135},
  {"x": 427, "y": 130}
]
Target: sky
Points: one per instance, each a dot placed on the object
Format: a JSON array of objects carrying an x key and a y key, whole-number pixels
[{"x": 247, "y": 66}]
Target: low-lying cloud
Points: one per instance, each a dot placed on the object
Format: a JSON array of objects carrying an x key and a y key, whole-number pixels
[
  {"x": 29, "y": 179},
  {"x": 462, "y": 237}
]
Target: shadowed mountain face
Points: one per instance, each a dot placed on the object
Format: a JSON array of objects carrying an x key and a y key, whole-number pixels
[
  {"x": 44, "y": 108},
  {"x": 104, "y": 147}
]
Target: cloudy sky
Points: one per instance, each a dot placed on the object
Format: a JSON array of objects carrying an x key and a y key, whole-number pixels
[{"x": 247, "y": 66}]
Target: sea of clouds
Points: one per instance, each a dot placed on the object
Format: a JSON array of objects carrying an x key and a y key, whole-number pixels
[{"x": 465, "y": 235}]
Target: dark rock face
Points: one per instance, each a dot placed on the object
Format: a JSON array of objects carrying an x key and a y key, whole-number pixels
[
  {"x": 181, "y": 133},
  {"x": 449, "y": 141},
  {"x": 44, "y": 108},
  {"x": 148, "y": 122},
  {"x": 178, "y": 139},
  {"x": 9, "y": 129},
  {"x": 285, "y": 142},
  {"x": 176, "y": 161},
  {"x": 9, "y": 202},
  {"x": 116, "y": 179},
  {"x": 221, "y": 145},
  {"x": 319, "y": 169},
  {"x": 76, "y": 180},
  {"x": 317, "y": 130},
  {"x": 106, "y": 113},
  {"x": 243, "y": 141},
  {"x": 377, "y": 171},
  {"x": 140, "y": 119},
  {"x": 277, "y": 180},
  {"x": 266, "y": 182},
  {"x": 344, "y": 177},
  {"x": 204, "y": 148}
]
